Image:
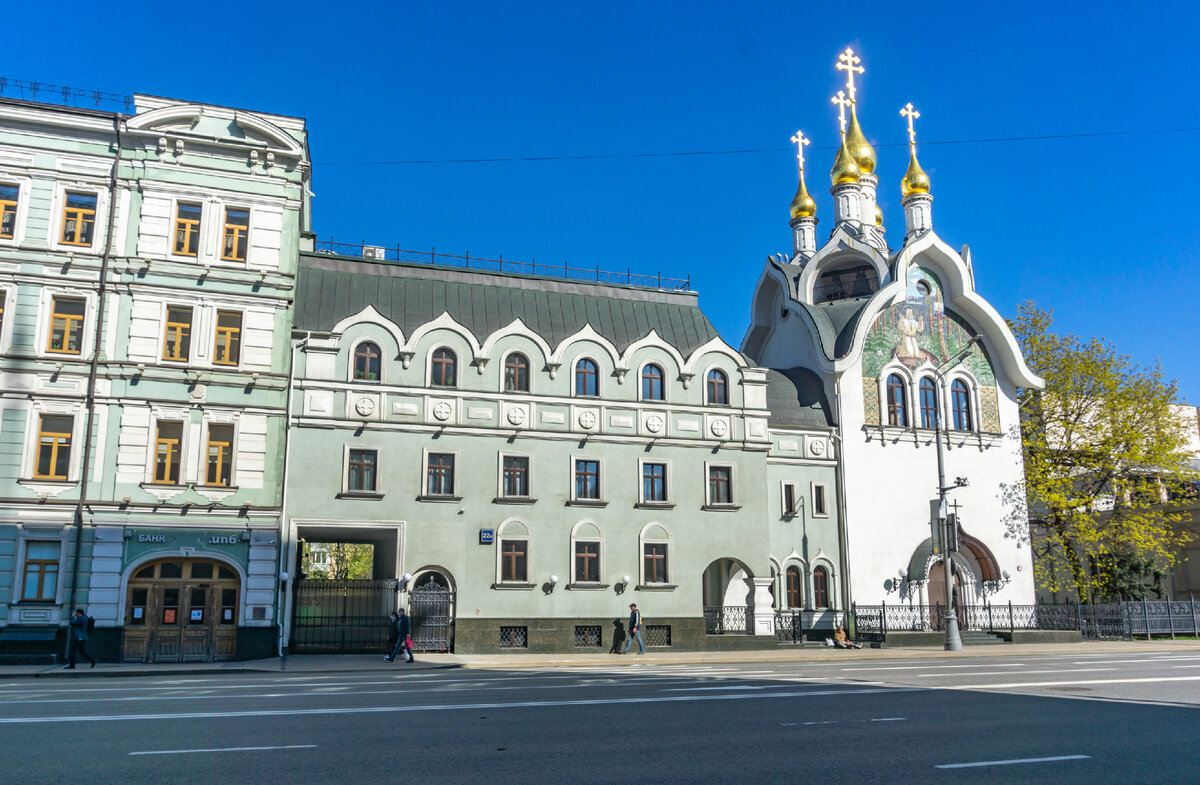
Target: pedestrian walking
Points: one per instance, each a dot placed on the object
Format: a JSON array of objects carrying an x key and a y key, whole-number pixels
[
  {"x": 404, "y": 637},
  {"x": 393, "y": 635},
  {"x": 81, "y": 625},
  {"x": 635, "y": 629}
]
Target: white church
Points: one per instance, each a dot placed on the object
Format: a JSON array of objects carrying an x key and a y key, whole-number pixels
[{"x": 903, "y": 344}]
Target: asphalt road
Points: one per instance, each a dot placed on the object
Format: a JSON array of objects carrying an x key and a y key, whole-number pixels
[{"x": 1061, "y": 719}]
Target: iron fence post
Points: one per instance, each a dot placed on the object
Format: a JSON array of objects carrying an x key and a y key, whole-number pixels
[
  {"x": 989, "y": 607},
  {"x": 1195, "y": 621},
  {"x": 1146, "y": 614},
  {"x": 1078, "y": 616},
  {"x": 883, "y": 618},
  {"x": 1011, "y": 626},
  {"x": 1171, "y": 619}
]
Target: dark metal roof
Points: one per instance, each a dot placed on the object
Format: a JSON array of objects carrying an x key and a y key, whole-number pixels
[
  {"x": 330, "y": 288},
  {"x": 796, "y": 399}
]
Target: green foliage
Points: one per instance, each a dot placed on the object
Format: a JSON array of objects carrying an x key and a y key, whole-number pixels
[
  {"x": 337, "y": 560},
  {"x": 1103, "y": 451}
]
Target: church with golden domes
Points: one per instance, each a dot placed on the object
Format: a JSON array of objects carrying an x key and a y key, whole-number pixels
[{"x": 921, "y": 374}]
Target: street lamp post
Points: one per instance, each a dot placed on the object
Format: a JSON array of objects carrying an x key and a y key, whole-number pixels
[{"x": 953, "y": 638}]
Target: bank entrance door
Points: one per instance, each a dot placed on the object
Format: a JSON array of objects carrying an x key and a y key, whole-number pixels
[{"x": 182, "y": 610}]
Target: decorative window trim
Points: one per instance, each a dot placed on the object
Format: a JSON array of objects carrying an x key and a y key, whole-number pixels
[
  {"x": 728, "y": 385},
  {"x": 528, "y": 373},
  {"x": 669, "y": 472},
  {"x": 456, "y": 493},
  {"x": 46, "y": 315},
  {"x": 25, "y": 535},
  {"x": 500, "y": 495},
  {"x": 51, "y": 408},
  {"x": 830, "y": 585},
  {"x": 251, "y": 222},
  {"x": 794, "y": 509},
  {"x": 575, "y": 377},
  {"x": 973, "y": 400},
  {"x": 643, "y": 541},
  {"x": 527, "y": 537},
  {"x": 99, "y": 228},
  {"x": 802, "y": 581},
  {"x": 160, "y": 350},
  {"x": 663, "y": 380},
  {"x": 459, "y": 364},
  {"x": 353, "y": 361},
  {"x": 182, "y": 416},
  {"x": 205, "y": 217},
  {"x": 202, "y": 470},
  {"x": 9, "y": 290},
  {"x": 347, "y": 492},
  {"x": 598, "y": 539},
  {"x": 709, "y": 504},
  {"x": 602, "y": 500},
  {"x": 24, "y": 186},
  {"x": 812, "y": 495}
]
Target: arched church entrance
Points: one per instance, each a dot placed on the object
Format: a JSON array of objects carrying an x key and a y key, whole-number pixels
[
  {"x": 181, "y": 610},
  {"x": 728, "y": 597},
  {"x": 431, "y": 608}
]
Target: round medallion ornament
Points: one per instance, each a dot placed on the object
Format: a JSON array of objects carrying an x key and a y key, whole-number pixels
[
  {"x": 516, "y": 416},
  {"x": 587, "y": 420},
  {"x": 365, "y": 407},
  {"x": 654, "y": 423},
  {"x": 719, "y": 428},
  {"x": 442, "y": 411},
  {"x": 817, "y": 447}
]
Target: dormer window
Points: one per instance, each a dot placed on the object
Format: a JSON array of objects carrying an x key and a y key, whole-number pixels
[{"x": 845, "y": 283}]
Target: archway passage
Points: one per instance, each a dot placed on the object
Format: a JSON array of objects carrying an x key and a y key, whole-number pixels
[
  {"x": 182, "y": 610},
  {"x": 728, "y": 598}
]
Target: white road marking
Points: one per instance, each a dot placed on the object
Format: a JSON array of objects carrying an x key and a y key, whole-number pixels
[
  {"x": 1023, "y": 673},
  {"x": 840, "y": 722},
  {"x": 1062, "y": 683},
  {"x": 227, "y": 749},
  {"x": 1011, "y": 762},
  {"x": 1136, "y": 662},
  {"x": 919, "y": 667},
  {"x": 293, "y": 712}
]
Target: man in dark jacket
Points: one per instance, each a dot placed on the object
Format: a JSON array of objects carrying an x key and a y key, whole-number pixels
[
  {"x": 404, "y": 630},
  {"x": 635, "y": 629},
  {"x": 79, "y": 636}
]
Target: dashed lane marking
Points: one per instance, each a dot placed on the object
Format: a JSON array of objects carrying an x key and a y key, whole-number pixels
[
  {"x": 1011, "y": 762},
  {"x": 226, "y": 749}
]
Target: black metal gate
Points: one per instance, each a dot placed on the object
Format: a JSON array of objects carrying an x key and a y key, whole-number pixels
[
  {"x": 431, "y": 608},
  {"x": 342, "y": 616}
]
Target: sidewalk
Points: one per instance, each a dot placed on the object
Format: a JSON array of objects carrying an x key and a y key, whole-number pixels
[{"x": 373, "y": 663}]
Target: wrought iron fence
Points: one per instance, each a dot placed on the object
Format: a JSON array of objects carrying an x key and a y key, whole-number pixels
[
  {"x": 789, "y": 626},
  {"x": 727, "y": 620},
  {"x": 532, "y": 267},
  {"x": 1119, "y": 620},
  {"x": 343, "y": 616}
]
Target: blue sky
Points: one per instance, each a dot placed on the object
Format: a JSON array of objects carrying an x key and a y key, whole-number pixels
[{"x": 1103, "y": 230}]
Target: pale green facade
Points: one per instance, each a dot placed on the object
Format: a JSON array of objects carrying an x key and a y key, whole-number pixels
[{"x": 185, "y": 460}]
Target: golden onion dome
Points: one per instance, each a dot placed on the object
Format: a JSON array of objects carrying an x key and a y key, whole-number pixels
[
  {"x": 915, "y": 180},
  {"x": 860, "y": 148},
  {"x": 878, "y": 216},
  {"x": 803, "y": 205},
  {"x": 845, "y": 168}
]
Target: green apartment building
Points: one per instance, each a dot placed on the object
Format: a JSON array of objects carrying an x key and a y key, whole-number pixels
[{"x": 147, "y": 269}]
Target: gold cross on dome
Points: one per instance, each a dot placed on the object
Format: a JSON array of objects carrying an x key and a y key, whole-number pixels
[
  {"x": 842, "y": 102},
  {"x": 800, "y": 140},
  {"x": 911, "y": 114},
  {"x": 849, "y": 62}
]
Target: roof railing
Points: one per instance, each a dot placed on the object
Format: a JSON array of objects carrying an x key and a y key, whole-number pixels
[{"x": 501, "y": 265}]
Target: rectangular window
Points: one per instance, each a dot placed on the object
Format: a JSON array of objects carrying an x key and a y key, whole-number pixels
[
  {"x": 227, "y": 349},
  {"x": 177, "y": 340},
  {"x": 3, "y": 303},
  {"x": 587, "y": 479},
  {"x": 66, "y": 325},
  {"x": 219, "y": 469},
  {"x": 360, "y": 477},
  {"x": 439, "y": 475},
  {"x": 237, "y": 230},
  {"x": 54, "y": 447},
  {"x": 514, "y": 637},
  {"x": 8, "y": 210},
  {"x": 167, "y": 452},
  {"x": 720, "y": 485},
  {"x": 654, "y": 482},
  {"x": 587, "y": 562},
  {"x": 79, "y": 218},
  {"x": 41, "y": 571},
  {"x": 516, "y": 475},
  {"x": 187, "y": 229},
  {"x": 654, "y": 567},
  {"x": 820, "y": 507},
  {"x": 789, "y": 499},
  {"x": 514, "y": 560}
]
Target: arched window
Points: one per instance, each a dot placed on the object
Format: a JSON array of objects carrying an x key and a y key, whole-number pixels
[
  {"x": 897, "y": 402},
  {"x": 656, "y": 554},
  {"x": 929, "y": 405},
  {"x": 587, "y": 379},
  {"x": 366, "y": 362},
  {"x": 652, "y": 383},
  {"x": 820, "y": 588},
  {"x": 442, "y": 374},
  {"x": 512, "y": 554},
  {"x": 718, "y": 387},
  {"x": 516, "y": 373},
  {"x": 795, "y": 597},
  {"x": 961, "y": 400}
]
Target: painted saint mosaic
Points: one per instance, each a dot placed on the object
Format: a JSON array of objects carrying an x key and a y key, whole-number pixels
[{"x": 920, "y": 332}]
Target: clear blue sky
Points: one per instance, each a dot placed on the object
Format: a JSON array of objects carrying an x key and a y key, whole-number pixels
[{"x": 1103, "y": 230}]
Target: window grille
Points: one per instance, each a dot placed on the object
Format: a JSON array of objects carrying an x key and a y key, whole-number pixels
[
  {"x": 657, "y": 635},
  {"x": 587, "y": 636},
  {"x": 514, "y": 637}
]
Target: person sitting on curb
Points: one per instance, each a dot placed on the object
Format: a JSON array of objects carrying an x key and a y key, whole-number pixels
[{"x": 841, "y": 642}]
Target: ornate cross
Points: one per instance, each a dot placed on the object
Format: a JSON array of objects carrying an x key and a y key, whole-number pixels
[
  {"x": 842, "y": 102},
  {"x": 911, "y": 114},
  {"x": 800, "y": 140},
  {"x": 849, "y": 62}
]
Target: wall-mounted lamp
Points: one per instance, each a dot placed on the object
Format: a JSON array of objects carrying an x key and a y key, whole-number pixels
[
  {"x": 991, "y": 587},
  {"x": 549, "y": 585}
]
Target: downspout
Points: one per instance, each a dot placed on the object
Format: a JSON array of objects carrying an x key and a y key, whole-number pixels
[
  {"x": 281, "y": 604},
  {"x": 840, "y": 469},
  {"x": 93, "y": 370}
]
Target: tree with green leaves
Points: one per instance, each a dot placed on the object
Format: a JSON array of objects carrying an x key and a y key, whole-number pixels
[
  {"x": 1105, "y": 458},
  {"x": 338, "y": 560}
]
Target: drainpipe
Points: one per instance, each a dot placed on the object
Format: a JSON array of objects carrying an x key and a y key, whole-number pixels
[
  {"x": 839, "y": 468},
  {"x": 93, "y": 369},
  {"x": 281, "y": 604}
]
